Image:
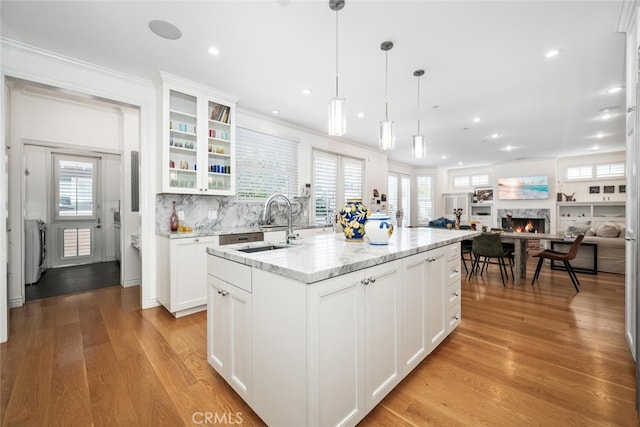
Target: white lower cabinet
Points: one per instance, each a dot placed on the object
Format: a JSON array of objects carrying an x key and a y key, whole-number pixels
[
  {"x": 325, "y": 354},
  {"x": 229, "y": 334},
  {"x": 415, "y": 346},
  {"x": 426, "y": 301},
  {"x": 182, "y": 273},
  {"x": 354, "y": 338},
  {"x": 443, "y": 271}
]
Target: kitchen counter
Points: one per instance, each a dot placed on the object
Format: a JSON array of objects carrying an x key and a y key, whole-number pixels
[
  {"x": 234, "y": 230},
  {"x": 319, "y": 332},
  {"x": 329, "y": 255}
]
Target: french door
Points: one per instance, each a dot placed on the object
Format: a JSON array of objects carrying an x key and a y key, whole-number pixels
[{"x": 76, "y": 229}]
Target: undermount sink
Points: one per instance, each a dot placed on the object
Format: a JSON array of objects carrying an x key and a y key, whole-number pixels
[{"x": 262, "y": 248}]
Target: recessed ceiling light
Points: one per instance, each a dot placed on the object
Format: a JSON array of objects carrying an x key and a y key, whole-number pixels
[
  {"x": 615, "y": 89},
  {"x": 494, "y": 135},
  {"x": 444, "y": 157},
  {"x": 508, "y": 148},
  {"x": 165, "y": 29},
  {"x": 214, "y": 51},
  {"x": 599, "y": 135},
  {"x": 306, "y": 91},
  {"x": 595, "y": 148},
  {"x": 606, "y": 116},
  {"x": 477, "y": 120},
  {"x": 551, "y": 53},
  {"x": 460, "y": 163},
  {"x": 275, "y": 111},
  {"x": 361, "y": 115}
]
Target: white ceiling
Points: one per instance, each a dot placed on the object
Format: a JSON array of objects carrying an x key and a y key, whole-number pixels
[{"x": 482, "y": 59}]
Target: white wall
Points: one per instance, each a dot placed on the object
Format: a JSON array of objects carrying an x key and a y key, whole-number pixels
[
  {"x": 32, "y": 64},
  {"x": 131, "y": 264},
  {"x": 554, "y": 169},
  {"x": 581, "y": 188},
  {"x": 35, "y": 188},
  {"x": 45, "y": 122}
]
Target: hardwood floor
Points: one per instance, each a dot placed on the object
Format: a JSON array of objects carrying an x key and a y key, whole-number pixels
[{"x": 542, "y": 355}]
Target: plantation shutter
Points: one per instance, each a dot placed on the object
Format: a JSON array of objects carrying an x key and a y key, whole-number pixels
[
  {"x": 265, "y": 165},
  {"x": 424, "y": 199}
]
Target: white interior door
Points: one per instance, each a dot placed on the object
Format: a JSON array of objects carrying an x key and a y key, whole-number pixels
[{"x": 76, "y": 231}]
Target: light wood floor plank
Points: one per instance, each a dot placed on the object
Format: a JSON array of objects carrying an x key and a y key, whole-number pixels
[{"x": 529, "y": 355}]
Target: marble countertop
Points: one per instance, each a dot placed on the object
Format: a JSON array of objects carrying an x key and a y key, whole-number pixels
[
  {"x": 233, "y": 230},
  {"x": 329, "y": 255}
]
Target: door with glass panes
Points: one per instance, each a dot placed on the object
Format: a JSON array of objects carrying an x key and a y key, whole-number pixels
[{"x": 76, "y": 232}]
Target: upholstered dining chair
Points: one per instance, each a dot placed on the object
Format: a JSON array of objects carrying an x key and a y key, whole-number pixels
[
  {"x": 560, "y": 256},
  {"x": 465, "y": 248},
  {"x": 487, "y": 246}
]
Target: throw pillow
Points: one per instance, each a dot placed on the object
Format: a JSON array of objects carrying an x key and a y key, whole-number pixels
[
  {"x": 590, "y": 232},
  {"x": 579, "y": 227},
  {"x": 608, "y": 229}
]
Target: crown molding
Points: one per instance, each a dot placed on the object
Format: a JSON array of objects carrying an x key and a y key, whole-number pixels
[
  {"x": 23, "y": 48},
  {"x": 627, "y": 17}
]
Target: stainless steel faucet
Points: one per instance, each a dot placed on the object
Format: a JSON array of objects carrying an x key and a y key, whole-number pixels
[{"x": 265, "y": 211}]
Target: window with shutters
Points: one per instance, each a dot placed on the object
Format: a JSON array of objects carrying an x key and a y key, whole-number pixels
[
  {"x": 75, "y": 207},
  {"x": 479, "y": 180},
  {"x": 579, "y": 172},
  {"x": 75, "y": 188},
  {"x": 424, "y": 196},
  {"x": 465, "y": 181},
  {"x": 461, "y": 181},
  {"x": 336, "y": 179},
  {"x": 399, "y": 198},
  {"x": 392, "y": 197},
  {"x": 593, "y": 172},
  {"x": 265, "y": 165},
  {"x": 610, "y": 171}
]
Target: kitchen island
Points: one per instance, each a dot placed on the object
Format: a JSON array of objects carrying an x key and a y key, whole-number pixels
[{"x": 319, "y": 332}]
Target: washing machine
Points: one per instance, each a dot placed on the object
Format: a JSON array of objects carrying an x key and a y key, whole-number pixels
[{"x": 35, "y": 233}]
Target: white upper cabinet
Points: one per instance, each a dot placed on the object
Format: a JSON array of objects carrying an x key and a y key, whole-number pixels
[{"x": 198, "y": 139}]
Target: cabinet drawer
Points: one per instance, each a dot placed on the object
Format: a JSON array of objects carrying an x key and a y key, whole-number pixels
[
  {"x": 453, "y": 293},
  {"x": 453, "y": 317},
  {"x": 453, "y": 270},
  {"x": 454, "y": 251},
  {"x": 231, "y": 272}
]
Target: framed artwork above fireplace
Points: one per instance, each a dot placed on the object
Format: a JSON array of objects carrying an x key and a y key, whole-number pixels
[{"x": 523, "y": 188}]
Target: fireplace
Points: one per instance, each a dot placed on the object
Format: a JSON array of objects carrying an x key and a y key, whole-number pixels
[
  {"x": 525, "y": 225},
  {"x": 540, "y": 218}
]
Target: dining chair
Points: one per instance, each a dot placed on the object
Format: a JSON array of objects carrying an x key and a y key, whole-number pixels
[
  {"x": 487, "y": 246},
  {"x": 565, "y": 257},
  {"x": 465, "y": 248}
]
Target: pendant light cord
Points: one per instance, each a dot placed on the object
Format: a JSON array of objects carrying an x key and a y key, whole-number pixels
[
  {"x": 418, "y": 105},
  {"x": 386, "y": 84},
  {"x": 336, "y": 53}
]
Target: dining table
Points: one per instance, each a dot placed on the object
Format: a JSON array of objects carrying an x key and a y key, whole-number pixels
[{"x": 520, "y": 249}]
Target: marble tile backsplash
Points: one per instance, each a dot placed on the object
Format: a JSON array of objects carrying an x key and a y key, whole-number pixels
[{"x": 232, "y": 213}]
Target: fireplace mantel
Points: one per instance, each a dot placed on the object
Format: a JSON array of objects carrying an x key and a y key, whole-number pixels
[{"x": 527, "y": 213}]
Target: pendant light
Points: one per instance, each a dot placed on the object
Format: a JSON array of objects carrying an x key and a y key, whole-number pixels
[
  {"x": 418, "y": 143},
  {"x": 387, "y": 139},
  {"x": 337, "y": 111}
]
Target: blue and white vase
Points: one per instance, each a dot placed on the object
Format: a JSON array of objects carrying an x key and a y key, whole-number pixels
[
  {"x": 379, "y": 228},
  {"x": 352, "y": 218}
]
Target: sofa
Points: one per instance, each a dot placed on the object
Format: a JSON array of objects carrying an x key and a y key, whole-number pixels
[{"x": 611, "y": 246}]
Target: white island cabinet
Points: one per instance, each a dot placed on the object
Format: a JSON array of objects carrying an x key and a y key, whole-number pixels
[{"x": 323, "y": 331}]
